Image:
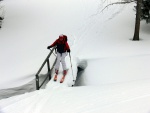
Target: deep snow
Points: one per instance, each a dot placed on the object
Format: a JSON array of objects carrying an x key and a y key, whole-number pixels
[{"x": 116, "y": 77}]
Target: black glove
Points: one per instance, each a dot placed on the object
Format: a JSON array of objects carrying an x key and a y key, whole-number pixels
[
  {"x": 49, "y": 47},
  {"x": 68, "y": 50}
]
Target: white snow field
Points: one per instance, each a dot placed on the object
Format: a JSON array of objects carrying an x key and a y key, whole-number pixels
[{"x": 116, "y": 75}]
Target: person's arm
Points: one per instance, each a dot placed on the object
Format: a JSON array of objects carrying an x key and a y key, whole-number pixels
[
  {"x": 52, "y": 45},
  {"x": 67, "y": 47}
]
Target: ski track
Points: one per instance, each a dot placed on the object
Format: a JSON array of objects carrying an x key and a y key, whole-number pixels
[
  {"x": 101, "y": 98},
  {"x": 98, "y": 100},
  {"x": 93, "y": 21}
]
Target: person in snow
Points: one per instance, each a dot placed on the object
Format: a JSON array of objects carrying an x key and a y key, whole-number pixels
[{"x": 62, "y": 49}]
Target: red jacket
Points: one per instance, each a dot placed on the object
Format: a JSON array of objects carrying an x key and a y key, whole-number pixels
[{"x": 62, "y": 46}]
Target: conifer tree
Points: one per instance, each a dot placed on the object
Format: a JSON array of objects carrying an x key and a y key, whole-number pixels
[{"x": 145, "y": 10}]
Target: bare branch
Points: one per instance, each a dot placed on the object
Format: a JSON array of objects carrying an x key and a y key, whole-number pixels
[
  {"x": 123, "y": 2},
  {"x": 116, "y": 3}
]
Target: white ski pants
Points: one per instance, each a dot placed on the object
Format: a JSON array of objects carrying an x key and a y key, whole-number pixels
[{"x": 61, "y": 58}]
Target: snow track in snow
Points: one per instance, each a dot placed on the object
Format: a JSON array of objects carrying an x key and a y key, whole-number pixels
[{"x": 106, "y": 99}]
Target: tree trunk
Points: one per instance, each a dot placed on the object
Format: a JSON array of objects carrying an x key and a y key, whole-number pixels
[{"x": 137, "y": 22}]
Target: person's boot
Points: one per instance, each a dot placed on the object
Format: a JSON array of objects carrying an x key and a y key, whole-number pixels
[
  {"x": 56, "y": 71},
  {"x": 64, "y": 72},
  {"x": 55, "y": 78},
  {"x": 62, "y": 79}
]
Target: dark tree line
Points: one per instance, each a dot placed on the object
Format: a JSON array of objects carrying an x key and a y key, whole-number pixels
[
  {"x": 145, "y": 10},
  {"x": 1, "y": 17},
  {"x": 142, "y": 12}
]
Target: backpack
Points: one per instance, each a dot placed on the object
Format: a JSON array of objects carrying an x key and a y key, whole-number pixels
[{"x": 65, "y": 38}]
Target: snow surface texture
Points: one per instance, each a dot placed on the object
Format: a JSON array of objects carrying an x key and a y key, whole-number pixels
[
  {"x": 133, "y": 97},
  {"x": 116, "y": 78}
]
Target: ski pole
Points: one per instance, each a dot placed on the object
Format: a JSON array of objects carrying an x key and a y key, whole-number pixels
[{"x": 71, "y": 66}]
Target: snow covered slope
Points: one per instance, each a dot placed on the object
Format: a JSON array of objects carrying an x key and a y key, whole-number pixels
[
  {"x": 116, "y": 78},
  {"x": 29, "y": 27},
  {"x": 132, "y": 97}
]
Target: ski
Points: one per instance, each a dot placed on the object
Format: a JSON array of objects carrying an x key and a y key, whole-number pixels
[
  {"x": 64, "y": 75},
  {"x": 62, "y": 79},
  {"x": 55, "y": 77}
]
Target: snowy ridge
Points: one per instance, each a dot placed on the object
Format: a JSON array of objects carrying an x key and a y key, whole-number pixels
[
  {"x": 106, "y": 99},
  {"x": 116, "y": 70}
]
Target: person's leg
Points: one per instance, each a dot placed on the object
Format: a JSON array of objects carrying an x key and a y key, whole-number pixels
[
  {"x": 63, "y": 62},
  {"x": 57, "y": 62}
]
